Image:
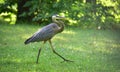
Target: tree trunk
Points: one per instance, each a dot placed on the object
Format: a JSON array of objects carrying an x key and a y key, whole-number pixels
[{"x": 21, "y": 9}]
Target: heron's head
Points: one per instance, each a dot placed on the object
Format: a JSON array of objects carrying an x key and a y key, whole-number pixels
[{"x": 57, "y": 17}]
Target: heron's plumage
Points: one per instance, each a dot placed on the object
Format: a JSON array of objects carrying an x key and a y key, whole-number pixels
[
  {"x": 44, "y": 34},
  {"x": 47, "y": 32}
]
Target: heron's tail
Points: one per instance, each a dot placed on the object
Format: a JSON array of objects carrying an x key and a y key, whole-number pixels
[{"x": 27, "y": 41}]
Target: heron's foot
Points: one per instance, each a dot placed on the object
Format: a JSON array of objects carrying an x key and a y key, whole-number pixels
[{"x": 65, "y": 60}]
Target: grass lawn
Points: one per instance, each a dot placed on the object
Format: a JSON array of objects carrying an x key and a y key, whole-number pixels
[{"x": 91, "y": 50}]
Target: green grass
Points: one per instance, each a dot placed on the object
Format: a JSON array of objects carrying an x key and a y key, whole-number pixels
[{"x": 91, "y": 50}]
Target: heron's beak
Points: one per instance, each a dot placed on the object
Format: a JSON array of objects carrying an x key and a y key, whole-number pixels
[{"x": 61, "y": 17}]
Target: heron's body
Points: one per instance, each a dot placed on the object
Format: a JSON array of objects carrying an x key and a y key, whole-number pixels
[{"x": 46, "y": 33}]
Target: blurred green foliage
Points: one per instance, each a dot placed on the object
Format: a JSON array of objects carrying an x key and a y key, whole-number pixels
[{"x": 85, "y": 13}]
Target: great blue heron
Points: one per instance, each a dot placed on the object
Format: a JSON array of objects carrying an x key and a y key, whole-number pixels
[{"x": 46, "y": 34}]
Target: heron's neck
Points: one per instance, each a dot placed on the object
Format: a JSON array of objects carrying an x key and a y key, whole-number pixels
[{"x": 60, "y": 24}]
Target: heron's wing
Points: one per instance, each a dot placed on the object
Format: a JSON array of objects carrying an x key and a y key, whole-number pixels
[{"x": 43, "y": 34}]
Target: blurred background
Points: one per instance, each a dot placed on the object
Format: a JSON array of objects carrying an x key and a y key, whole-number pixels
[
  {"x": 91, "y": 37},
  {"x": 99, "y": 14}
]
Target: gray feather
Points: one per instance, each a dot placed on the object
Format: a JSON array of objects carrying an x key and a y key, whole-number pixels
[{"x": 43, "y": 34}]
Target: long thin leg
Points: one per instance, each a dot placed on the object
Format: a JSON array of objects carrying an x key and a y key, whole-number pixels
[
  {"x": 39, "y": 53},
  {"x": 57, "y": 53}
]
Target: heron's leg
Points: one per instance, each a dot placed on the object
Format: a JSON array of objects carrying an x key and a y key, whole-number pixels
[
  {"x": 57, "y": 53},
  {"x": 39, "y": 52},
  {"x": 38, "y": 55}
]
